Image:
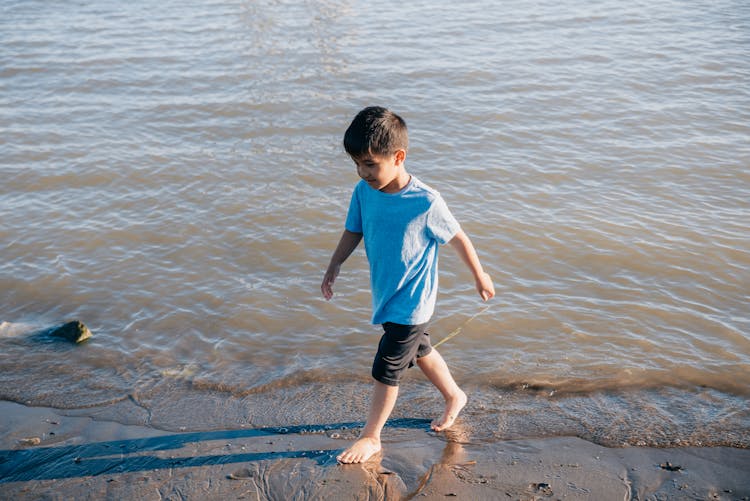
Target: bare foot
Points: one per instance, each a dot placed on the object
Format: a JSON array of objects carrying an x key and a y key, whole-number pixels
[
  {"x": 360, "y": 451},
  {"x": 452, "y": 407}
]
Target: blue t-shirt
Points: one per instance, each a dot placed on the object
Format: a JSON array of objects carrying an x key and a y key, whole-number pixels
[{"x": 402, "y": 232}]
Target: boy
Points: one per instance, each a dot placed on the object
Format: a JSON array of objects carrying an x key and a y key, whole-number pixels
[{"x": 402, "y": 222}]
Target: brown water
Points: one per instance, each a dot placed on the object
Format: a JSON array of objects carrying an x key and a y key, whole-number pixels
[{"x": 172, "y": 175}]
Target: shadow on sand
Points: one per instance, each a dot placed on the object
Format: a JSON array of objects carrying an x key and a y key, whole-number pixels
[{"x": 120, "y": 456}]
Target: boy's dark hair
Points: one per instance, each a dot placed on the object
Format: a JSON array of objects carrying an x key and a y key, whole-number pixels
[{"x": 376, "y": 131}]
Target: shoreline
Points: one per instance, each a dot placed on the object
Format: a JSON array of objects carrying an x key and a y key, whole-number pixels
[{"x": 46, "y": 454}]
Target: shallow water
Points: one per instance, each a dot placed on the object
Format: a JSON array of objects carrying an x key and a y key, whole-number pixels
[{"x": 172, "y": 175}]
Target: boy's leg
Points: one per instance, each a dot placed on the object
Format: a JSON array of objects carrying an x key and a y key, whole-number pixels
[
  {"x": 436, "y": 370},
  {"x": 368, "y": 443},
  {"x": 398, "y": 347}
]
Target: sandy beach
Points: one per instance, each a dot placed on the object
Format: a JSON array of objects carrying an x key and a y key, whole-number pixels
[
  {"x": 47, "y": 455},
  {"x": 173, "y": 176}
]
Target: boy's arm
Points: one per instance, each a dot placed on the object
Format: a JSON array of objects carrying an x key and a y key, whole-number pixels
[
  {"x": 348, "y": 242},
  {"x": 468, "y": 254}
]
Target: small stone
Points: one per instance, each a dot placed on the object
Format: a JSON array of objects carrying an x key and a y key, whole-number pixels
[
  {"x": 30, "y": 441},
  {"x": 670, "y": 467},
  {"x": 543, "y": 488}
]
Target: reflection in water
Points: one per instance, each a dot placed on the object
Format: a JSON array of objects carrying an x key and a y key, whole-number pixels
[{"x": 450, "y": 466}]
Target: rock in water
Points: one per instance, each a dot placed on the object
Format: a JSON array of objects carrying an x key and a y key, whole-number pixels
[{"x": 73, "y": 331}]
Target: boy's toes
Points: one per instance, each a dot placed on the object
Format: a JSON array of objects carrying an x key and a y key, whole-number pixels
[{"x": 362, "y": 450}]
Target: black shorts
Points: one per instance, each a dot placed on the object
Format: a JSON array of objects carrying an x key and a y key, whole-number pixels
[{"x": 399, "y": 348}]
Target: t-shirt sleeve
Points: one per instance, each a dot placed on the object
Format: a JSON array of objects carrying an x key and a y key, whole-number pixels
[
  {"x": 441, "y": 225},
  {"x": 354, "y": 216}
]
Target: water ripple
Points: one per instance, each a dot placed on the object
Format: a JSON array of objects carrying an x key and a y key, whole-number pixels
[{"x": 172, "y": 174}]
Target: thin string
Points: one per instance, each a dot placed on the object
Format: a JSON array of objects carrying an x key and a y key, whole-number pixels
[{"x": 460, "y": 327}]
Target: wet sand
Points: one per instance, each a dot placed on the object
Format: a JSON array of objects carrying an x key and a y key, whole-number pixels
[{"x": 46, "y": 455}]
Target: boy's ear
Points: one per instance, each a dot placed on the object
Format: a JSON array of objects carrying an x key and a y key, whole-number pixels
[{"x": 400, "y": 156}]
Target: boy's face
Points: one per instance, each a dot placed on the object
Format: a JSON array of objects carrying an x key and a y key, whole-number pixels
[{"x": 383, "y": 172}]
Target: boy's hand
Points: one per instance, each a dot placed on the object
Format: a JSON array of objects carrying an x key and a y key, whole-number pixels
[
  {"x": 348, "y": 242},
  {"x": 468, "y": 254},
  {"x": 328, "y": 279},
  {"x": 485, "y": 287}
]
